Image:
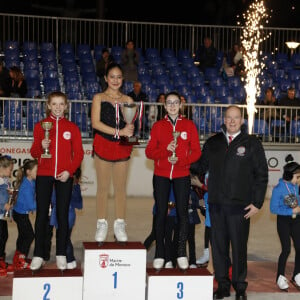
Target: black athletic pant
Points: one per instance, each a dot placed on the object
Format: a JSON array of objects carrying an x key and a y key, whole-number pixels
[
  {"x": 288, "y": 228},
  {"x": 44, "y": 188},
  {"x": 181, "y": 187},
  {"x": 25, "y": 232},
  {"x": 3, "y": 237}
]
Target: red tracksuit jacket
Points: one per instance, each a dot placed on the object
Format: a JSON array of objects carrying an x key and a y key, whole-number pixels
[
  {"x": 188, "y": 149},
  {"x": 65, "y": 147}
]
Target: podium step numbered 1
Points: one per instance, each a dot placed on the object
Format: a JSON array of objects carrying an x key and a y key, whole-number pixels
[{"x": 114, "y": 271}]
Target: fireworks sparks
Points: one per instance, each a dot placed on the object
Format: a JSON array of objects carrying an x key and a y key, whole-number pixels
[{"x": 253, "y": 35}]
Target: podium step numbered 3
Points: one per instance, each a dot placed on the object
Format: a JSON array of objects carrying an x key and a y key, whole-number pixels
[{"x": 112, "y": 271}]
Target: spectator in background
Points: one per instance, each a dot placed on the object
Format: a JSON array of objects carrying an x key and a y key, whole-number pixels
[
  {"x": 101, "y": 66},
  {"x": 4, "y": 80},
  {"x": 238, "y": 62},
  {"x": 269, "y": 114},
  {"x": 186, "y": 110},
  {"x": 291, "y": 101},
  {"x": 17, "y": 83},
  {"x": 206, "y": 55},
  {"x": 232, "y": 53},
  {"x": 157, "y": 112},
  {"x": 137, "y": 94},
  {"x": 129, "y": 61}
]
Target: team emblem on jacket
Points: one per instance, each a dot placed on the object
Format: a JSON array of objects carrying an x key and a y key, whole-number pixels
[
  {"x": 183, "y": 135},
  {"x": 67, "y": 135},
  {"x": 241, "y": 151}
]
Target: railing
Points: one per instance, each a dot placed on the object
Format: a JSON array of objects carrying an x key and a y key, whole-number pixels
[
  {"x": 147, "y": 35},
  {"x": 18, "y": 117}
]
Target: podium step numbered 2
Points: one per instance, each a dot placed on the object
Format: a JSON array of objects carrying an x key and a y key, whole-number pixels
[{"x": 47, "y": 284}]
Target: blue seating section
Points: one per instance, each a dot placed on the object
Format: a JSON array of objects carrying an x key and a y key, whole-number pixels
[{"x": 72, "y": 70}]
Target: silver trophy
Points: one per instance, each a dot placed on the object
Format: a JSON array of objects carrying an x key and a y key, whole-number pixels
[
  {"x": 291, "y": 201},
  {"x": 130, "y": 112},
  {"x": 13, "y": 193},
  {"x": 173, "y": 157},
  {"x": 47, "y": 127}
]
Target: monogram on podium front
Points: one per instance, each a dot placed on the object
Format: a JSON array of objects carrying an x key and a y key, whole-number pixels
[
  {"x": 177, "y": 284},
  {"x": 114, "y": 271},
  {"x": 47, "y": 284}
]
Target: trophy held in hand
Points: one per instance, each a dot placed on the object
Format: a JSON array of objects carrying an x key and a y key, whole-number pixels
[
  {"x": 291, "y": 201},
  {"x": 131, "y": 112},
  {"x": 13, "y": 193},
  {"x": 173, "y": 157},
  {"x": 47, "y": 127}
]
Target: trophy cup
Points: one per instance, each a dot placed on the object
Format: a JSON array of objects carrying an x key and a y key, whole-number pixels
[
  {"x": 291, "y": 201},
  {"x": 130, "y": 113},
  {"x": 173, "y": 157},
  {"x": 13, "y": 193},
  {"x": 46, "y": 126}
]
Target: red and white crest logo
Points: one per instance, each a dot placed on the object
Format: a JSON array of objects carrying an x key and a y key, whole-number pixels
[{"x": 103, "y": 260}]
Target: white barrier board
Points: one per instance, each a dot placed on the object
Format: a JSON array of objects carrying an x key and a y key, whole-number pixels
[
  {"x": 114, "y": 271},
  {"x": 176, "y": 284},
  {"x": 47, "y": 284}
]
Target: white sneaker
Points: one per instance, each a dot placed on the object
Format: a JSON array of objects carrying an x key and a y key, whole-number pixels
[
  {"x": 36, "y": 263},
  {"x": 72, "y": 265},
  {"x": 282, "y": 282},
  {"x": 193, "y": 266},
  {"x": 158, "y": 263},
  {"x": 204, "y": 258},
  {"x": 119, "y": 230},
  {"x": 169, "y": 265},
  {"x": 182, "y": 262},
  {"x": 101, "y": 231},
  {"x": 296, "y": 280},
  {"x": 61, "y": 262}
]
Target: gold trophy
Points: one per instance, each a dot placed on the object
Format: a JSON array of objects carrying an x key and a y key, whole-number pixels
[
  {"x": 130, "y": 113},
  {"x": 173, "y": 157},
  {"x": 46, "y": 126},
  {"x": 13, "y": 193}
]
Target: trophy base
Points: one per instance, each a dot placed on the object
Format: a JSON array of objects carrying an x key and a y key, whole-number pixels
[
  {"x": 46, "y": 156},
  {"x": 129, "y": 140}
]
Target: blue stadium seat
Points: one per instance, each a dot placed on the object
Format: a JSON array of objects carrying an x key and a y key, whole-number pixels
[
  {"x": 234, "y": 81},
  {"x": 183, "y": 53},
  {"x": 239, "y": 94},
  {"x": 167, "y": 53},
  {"x": 221, "y": 91},
  {"x": 127, "y": 87},
  {"x": 98, "y": 51},
  {"x": 151, "y": 53}
]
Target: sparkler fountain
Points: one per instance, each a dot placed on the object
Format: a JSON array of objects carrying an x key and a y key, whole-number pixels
[{"x": 252, "y": 36}]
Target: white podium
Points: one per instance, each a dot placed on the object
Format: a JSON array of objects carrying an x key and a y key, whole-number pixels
[
  {"x": 177, "y": 284},
  {"x": 47, "y": 284},
  {"x": 114, "y": 271}
]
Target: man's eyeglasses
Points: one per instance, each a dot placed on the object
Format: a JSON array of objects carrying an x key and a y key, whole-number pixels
[{"x": 170, "y": 103}]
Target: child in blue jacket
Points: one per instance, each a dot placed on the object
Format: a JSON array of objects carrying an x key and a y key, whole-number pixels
[
  {"x": 25, "y": 204},
  {"x": 285, "y": 204}
]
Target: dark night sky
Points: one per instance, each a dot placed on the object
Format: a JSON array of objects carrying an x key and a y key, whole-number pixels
[{"x": 207, "y": 12}]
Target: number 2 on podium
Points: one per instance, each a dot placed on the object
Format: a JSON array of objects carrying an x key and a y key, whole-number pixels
[
  {"x": 180, "y": 290},
  {"x": 47, "y": 290},
  {"x": 115, "y": 275}
]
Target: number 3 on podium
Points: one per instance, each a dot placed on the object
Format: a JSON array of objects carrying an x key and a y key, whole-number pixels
[{"x": 180, "y": 290}]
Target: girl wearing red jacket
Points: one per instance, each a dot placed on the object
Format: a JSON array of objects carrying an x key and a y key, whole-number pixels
[
  {"x": 65, "y": 148},
  {"x": 172, "y": 168}
]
